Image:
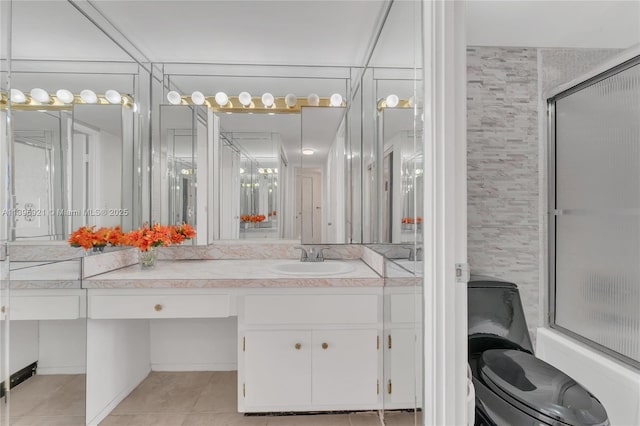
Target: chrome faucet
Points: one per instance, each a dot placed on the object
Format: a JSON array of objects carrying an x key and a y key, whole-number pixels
[
  {"x": 311, "y": 253},
  {"x": 415, "y": 253}
]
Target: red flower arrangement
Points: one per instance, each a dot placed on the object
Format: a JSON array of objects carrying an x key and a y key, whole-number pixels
[
  {"x": 142, "y": 238},
  {"x": 158, "y": 235},
  {"x": 87, "y": 237}
]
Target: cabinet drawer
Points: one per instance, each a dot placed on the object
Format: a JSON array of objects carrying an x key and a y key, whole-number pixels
[
  {"x": 159, "y": 306},
  {"x": 45, "y": 307},
  {"x": 311, "y": 309}
]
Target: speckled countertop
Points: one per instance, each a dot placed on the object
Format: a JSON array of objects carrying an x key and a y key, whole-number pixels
[
  {"x": 45, "y": 275},
  {"x": 252, "y": 273}
]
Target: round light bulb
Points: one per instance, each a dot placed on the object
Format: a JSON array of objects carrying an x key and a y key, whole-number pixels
[
  {"x": 308, "y": 151},
  {"x": 313, "y": 99},
  {"x": 261, "y": 170},
  {"x": 174, "y": 98},
  {"x": 392, "y": 101},
  {"x": 221, "y": 98},
  {"x": 113, "y": 96},
  {"x": 89, "y": 96},
  {"x": 335, "y": 100},
  {"x": 64, "y": 96},
  {"x": 290, "y": 100},
  {"x": 197, "y": 98},
  {"x": 18, "y": 96},
  {"x": 40, "y": 95},
  {"x": 269, "y": 170},
  {"x": 267, "y": 99},
  {"x": 245, "y": 98}
]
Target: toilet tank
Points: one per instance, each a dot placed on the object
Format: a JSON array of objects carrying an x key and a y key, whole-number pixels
[{"x": 495, "y": 316}]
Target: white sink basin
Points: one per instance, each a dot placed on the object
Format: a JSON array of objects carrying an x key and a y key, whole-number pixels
[{"x": 328, "y": 267}]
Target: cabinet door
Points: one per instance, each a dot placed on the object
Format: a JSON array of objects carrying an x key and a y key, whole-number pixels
[
  {"x": 277, "y": 369},
  {"x": 405, "y": 369},
  {"x": 345, "y": 367}
]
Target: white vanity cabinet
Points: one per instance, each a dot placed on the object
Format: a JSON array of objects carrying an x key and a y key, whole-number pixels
[
  {"x": 310, "y": 350},
  {"x": 403, "y": 348}
]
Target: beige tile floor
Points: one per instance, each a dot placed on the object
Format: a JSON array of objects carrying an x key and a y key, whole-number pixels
[
  {"x": 166, "y": 399},
  {"x": 56, "y": 400}
]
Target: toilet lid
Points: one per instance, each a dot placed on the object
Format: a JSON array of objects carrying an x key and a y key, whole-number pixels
[{"x": 538, "y": 387}]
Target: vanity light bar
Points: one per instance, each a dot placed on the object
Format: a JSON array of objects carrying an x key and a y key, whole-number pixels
[
  {"x": 401, "y": 103},
  {"x": 56, "y": 103},
  {"x": 256, "y": 105}
]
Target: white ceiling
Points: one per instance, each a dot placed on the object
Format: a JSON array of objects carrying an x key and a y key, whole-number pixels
[{"x": 249, "y": 32}]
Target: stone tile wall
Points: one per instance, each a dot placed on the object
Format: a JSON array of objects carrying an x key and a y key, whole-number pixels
[{"x": 504, "y": 147}]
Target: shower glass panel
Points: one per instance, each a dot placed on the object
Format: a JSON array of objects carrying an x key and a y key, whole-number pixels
[{"x": 595, "y": 212}]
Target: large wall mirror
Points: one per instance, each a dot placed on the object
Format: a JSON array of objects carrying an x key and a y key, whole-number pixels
[
  {"x": 72, "y": 167},
  {"x": 254, "y": 180},
  {"x": 75, "y": 159}
]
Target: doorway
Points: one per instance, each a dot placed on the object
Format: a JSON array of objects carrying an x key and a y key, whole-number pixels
[{"x": 309, "y": 206}]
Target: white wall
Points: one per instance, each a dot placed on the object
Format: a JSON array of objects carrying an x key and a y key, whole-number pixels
[
  {"x": 62, "y": 347},
  {"x": 194, "y": 344},
  {"x": 584, "y": 24},
  {"x": 24, "y": 344},
  {"x": 109, "y": 169},
  {"x": 333, "y": 211}
]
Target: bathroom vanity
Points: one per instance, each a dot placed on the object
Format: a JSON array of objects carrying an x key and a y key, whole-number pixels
[{"x": 308, "y": 338}]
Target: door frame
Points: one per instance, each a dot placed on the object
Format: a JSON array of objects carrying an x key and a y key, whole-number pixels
[{"x": 445, "y": 230}]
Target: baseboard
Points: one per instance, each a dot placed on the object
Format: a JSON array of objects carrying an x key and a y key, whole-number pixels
[
  {"x": 117, "y": 400},
  {"x": 62, "y": 370},
  {"x": 215, "y": 366}
]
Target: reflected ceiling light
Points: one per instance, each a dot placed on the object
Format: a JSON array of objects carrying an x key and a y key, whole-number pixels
[
  {"x": 392, "y": 101},
  {"x": 64, "y": 96},
  {"x": 89, "y": 96},
  {"x": 335, "y": 100},
  {"x": 242, "y": 171},
  {"x": 197, "y": 98},
  {"x": 40, "y": 95},
  {"x": 17, "y": 96},
  {"x": 221, "y": 98},
  {"x": 313, "y": 99},
  {"x": 113, "y": 96},
  {"x": 261, "y": 170},
  {"x": 267, "y": 100},
  {"x": 275, "y": 170},
  {"x": 411, "y": 102},
  {"x": 290, "y": 100},
  {"x": 245, "y": 98},
  {"x": 419, "y": 172},
  {"x": 269, "y": 170},
  {"x": 174, "y": 98},
  {"x": 308, "y": 151}
]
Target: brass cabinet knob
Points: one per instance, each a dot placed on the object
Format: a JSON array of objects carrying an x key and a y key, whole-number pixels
[
  {"x": 158, "y": 307},
  {"x": 298, "y": 346},
  {"x": 325, "y": 345}
]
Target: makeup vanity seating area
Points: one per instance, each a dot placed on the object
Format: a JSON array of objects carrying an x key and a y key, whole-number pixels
[{"x": 303, "y": 336}]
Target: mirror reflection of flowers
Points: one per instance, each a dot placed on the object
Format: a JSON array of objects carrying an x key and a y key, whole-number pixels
[
  {"x": 158, "y": 235},
  {"x": 88, "y": 237},
  {"x": 182, "y": 232},
  {"x": 254, "y": 218}
]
